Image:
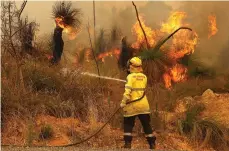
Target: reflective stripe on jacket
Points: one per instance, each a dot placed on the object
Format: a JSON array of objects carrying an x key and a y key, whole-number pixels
[{"x": 134, "y": 89}]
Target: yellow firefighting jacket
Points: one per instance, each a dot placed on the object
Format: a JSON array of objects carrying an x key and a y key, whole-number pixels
[{"x": 134, "y": 89}]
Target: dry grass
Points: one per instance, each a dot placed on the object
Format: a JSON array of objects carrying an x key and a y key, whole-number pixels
[
  {"x": 203, "y": 131},
  {"x": 50, "y": 92}
]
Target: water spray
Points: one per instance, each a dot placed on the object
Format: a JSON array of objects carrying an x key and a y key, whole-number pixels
[{"x": 102, "y": 77}]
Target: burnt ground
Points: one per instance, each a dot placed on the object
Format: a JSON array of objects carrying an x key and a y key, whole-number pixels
[{"x": 69, "y": 149}]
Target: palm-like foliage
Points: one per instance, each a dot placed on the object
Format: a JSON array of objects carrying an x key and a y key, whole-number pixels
[
  {"x": 196, "y": 67},
  {"x": 101, "y": 42},
  {"x": 115, "y": 34},
  {"x": 156, "y": 62},
  {"x": 71, "y": 16}
]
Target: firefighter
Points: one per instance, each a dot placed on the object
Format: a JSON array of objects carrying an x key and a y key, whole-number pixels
[{"x": 135, "y": 93}]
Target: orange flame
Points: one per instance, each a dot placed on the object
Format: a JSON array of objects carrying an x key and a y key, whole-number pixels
[
  {"x": 72, "y": 32},
  {"x": 178, "y": 73},
  {"x": 167, "y": 80},
  {"x": 114, "y": 52},
  {"x": 174, "y": 22},
  {"x": 60, "y": 22},
  {"x": 150, "y": 34},
  {"x": 183, "y": 43},
  {"x": 49, "y": 56},
  {"x": 212, "y": 26}
]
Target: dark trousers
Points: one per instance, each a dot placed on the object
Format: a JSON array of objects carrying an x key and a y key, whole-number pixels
[
  {"x": 129, "y": 125},
  {"x": 130, "y": 121}
]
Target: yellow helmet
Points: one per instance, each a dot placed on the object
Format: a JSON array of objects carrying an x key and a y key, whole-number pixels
[{"x": 135, "y": 61}]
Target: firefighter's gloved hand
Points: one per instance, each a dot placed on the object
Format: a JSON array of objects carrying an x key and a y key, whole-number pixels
[{"x": 122, "y": 105}]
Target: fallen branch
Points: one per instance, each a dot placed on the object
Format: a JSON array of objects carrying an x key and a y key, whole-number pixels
[{"x": 147, "y": 43}]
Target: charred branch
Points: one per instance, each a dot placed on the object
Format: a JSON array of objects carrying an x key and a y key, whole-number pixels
[
  {"x": 22, "y": 8},
  {"x": 88, "y": 30},
  {"x": 147, "y": 43}
]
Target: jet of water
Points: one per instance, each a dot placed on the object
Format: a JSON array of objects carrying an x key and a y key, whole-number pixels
[{"x": 102, "y": 77}]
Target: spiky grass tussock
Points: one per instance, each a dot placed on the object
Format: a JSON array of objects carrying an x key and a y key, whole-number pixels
[
  {"x": 203, "y": 131},
  {"x": 71, "y": 16},
  {"x": 197, "y": 68},
  {"x": 46, "y": 132},
  {"x": 115, "y": 34},
  {"x": 107, "y": 40},
  {"x": 201, "y": 71},
  {"x": 191, "y": 116},
  {"x": 155, "y": 63},
  {"x": 101, "y": 43}
]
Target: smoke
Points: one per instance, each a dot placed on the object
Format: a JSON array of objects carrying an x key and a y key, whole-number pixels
[
  {"x": 211, "y": 51},
  {"x": 122, "y": 15}
]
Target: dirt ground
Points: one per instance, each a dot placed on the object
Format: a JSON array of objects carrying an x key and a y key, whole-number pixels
[{"x": 70, "y": 149}]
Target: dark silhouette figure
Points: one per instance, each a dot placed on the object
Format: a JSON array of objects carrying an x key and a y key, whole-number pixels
[{"x": 58, "y": 45}]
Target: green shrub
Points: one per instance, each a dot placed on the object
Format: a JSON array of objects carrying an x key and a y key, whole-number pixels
[{"x": 46, "y": 132}]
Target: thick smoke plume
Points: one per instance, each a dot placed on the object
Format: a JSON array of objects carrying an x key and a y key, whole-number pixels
[{"x": 212, "y": 51}]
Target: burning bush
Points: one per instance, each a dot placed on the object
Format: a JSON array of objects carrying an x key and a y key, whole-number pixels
[
  {"x": 165, "y": 60},
  {"x": 161, "y": 62},
  {"x": 67, "y": 19}
]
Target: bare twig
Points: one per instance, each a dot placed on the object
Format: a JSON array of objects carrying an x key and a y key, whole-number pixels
[
  {"x": 9, "y": 18},
  {"x": 93, "y": 49},
  {"x": 147, "y": 43},
  {"x": 22, "y": 8},
  {"x": 94, "y": 22},
  {"x": 19, "y": 29}
]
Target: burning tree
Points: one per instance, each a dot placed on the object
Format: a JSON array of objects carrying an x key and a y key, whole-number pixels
[
  {"x": 67, "y": 19},
  {"x": 164, "y": 62}
]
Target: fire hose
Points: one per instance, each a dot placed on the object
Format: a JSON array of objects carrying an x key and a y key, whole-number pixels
[
  {"x": 99, "y": 130},
  {"x": 116, "y": 111}
]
